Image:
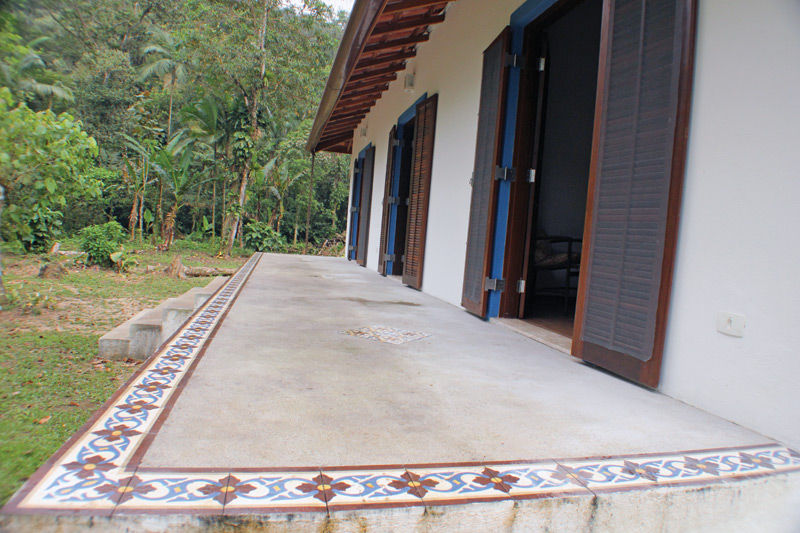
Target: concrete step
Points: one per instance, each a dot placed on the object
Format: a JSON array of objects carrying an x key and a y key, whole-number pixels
[
  {"x": 145, "y": 333},
  {"x": 208, "y": 291},
  {"x": 116, "y": 343},
  {"x": 140, "y": 336}
]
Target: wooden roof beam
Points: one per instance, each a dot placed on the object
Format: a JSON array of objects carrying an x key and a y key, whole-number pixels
[
  {"x": 391, "y": 69},
  {"x": 407, "y": 24},
  {"x": 396, "y": 43},
  {"x": 405, "y": 5},
  {"x": 385, "y": 59},
  {"x": 385, "y": 78}
]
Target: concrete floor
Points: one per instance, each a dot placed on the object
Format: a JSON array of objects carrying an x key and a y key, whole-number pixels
[{"x": 281, "y": 386}]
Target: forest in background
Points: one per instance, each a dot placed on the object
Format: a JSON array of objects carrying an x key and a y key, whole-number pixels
[{"x": 173, "y": 118}]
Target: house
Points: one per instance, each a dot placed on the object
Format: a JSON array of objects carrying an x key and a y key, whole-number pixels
[{"x": 621, "y": 174}]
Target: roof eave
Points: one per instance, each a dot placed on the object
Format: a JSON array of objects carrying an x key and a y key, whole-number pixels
[{"x": 362, "y": 19}]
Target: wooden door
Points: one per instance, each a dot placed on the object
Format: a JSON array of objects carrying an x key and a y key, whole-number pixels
[
  {"x": 387, "y": 204},
  {"x": 541, "y": 65},
  {"x": 419, "y": 191},
  {"x": 355, "y": 202},
  {"x": 367, "y": 171},
  {"x": 638, "y": 159},
  {"x": 484, "y": 187}
]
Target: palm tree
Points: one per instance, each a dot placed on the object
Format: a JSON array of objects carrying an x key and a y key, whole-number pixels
[
  {"x": 173, "y": 164},
  {"x": 20, "y": 73},
  {"x": 204, "y": 124},
  {"x": 164, "y": 65}
]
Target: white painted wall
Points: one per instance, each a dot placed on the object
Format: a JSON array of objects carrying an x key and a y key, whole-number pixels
[
  {"x": 737, "y": 247},
  {"x": 449, "y": 64},
  {"x": 738, "y": 243}
]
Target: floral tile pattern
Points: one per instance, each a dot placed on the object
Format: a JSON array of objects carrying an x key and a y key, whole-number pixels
[
  {"x": 98, "y": 471},
  {"x": 386, "y": 334}
]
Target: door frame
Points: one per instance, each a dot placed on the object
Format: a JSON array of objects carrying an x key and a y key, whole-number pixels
[
  {"x": 403, "y": 121},
  {"x": 508, "y": 228}
]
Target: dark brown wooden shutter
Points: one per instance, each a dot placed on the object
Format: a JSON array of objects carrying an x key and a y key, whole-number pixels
[
  {"x": 387, "y": 194},
  {"x": 367, "y": 172},
  {"x": 634, "y": 196},
  {"x": 484, "y": 186},
  {"x": 420, "y": 187}
]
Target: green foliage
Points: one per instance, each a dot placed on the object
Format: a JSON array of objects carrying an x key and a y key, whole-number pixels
[
  {"x": 243, "y": 111},
  {"x": 122, "y": 261},
  {"x": 102, "y": 241},
  {"x": 262, "y": 237},
  {"x": 46, "y": 160}
]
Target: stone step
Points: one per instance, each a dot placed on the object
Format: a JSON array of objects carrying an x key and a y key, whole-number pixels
[
  {"x": 140, "y": 336},
  {"x": 116, "y": 343},
  {"x": 145, "y": 333}
]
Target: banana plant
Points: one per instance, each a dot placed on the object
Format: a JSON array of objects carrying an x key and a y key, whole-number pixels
[{"x": 174, "y": 164}]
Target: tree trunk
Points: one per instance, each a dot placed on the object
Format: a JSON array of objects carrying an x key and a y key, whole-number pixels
[
  {"x": 252, "y": 106},
  {"x": 169, "y": 227},
  {"x": 132, "y": 218},
  {"x": 310, "y": 201},
  {"x": 145, "y": 172},
  {"x": 169, "y": 119},
  {"x": 214, "y": 196},
  {"x": 2, "y": 287}
]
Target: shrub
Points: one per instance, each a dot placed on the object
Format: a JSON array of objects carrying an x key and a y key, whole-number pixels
[
  {"x": 262, "y": 237},
  {"x": 100, "y": 241}
]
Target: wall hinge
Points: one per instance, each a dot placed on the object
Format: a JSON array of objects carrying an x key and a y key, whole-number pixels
[
  {"x": 396, "y": 143},
  {"x": 472, "y": 179},
  {"x": 394, "y": 200},
  {"x": 403, "y": 258},
  {"x": 388, "y": 257},
  {"x": 521, "y": 286},
  {"x": 504, "y": 174},
  {"x": 493, "y": 284},
  {"x": 354, "y": 209},
  {"x": 532, "y": 175},
  {"x": 542, "y": 63},
  {"x": 514, "y": 60},
  {"x": 351, "y": 248}
]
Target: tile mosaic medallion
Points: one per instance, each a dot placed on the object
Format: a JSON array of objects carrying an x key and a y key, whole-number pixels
[
  {"x": 97, "y": 472},
  {"x": 385, "y": 334}
]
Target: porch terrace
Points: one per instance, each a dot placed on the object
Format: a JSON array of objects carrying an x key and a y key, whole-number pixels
[{"x": 309, "y": 391}]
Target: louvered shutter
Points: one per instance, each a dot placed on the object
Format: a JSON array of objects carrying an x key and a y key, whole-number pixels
[
  {"x": 484, "y": 187},
  {"x": 367, "y": 172},
  {"x": 638, "y": 161},
  {"x": 420, "y": 185},
  {"x": 387, "y": 194}
]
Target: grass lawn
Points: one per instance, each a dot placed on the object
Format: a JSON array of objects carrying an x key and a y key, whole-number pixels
[{"x": 51, "y": 379}]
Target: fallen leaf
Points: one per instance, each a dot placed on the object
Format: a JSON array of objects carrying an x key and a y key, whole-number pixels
[{"x": 44, "y": 420}]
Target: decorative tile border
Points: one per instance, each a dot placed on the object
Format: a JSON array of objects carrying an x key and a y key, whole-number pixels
[
  {"x": 386, "y": 334},
  {"x": 97, "y": 471}
]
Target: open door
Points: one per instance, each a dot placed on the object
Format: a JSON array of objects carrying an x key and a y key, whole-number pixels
[
  {"x": 367, "y": 172},
  {"x": 355, "y": 210},
  {"x": 484, "y": 186},
  {"x": 637, "y": 167},
  {"x": 387, "y": 204},
  {"x": 420, "y": 187}
]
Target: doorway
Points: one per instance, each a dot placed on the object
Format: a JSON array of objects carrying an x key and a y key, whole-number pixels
[
  {"x": 551, "y": 210},
  {"x": 398, "y": 214}
]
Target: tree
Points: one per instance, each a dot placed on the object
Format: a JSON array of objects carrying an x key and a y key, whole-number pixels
[
  {"x": 45, "y": 159},
  {"x": 23, "y": 70},
  {"x": 173, "y": 163},
  {"x": 164, "y": 64}
]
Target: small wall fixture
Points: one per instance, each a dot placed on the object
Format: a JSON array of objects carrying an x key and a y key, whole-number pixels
[
  {"x": 409, "y": 82},
  {"x": 363, "y": 131}
]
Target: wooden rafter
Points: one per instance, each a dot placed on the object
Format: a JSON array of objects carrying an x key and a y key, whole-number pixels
[{"x": 392, "y": 39}]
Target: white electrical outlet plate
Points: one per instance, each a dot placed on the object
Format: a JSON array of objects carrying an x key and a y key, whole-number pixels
[{"x": 731, "y": 324}]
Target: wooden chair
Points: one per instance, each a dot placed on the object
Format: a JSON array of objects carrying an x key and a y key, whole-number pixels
[{"x": 566, "y": 256}]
